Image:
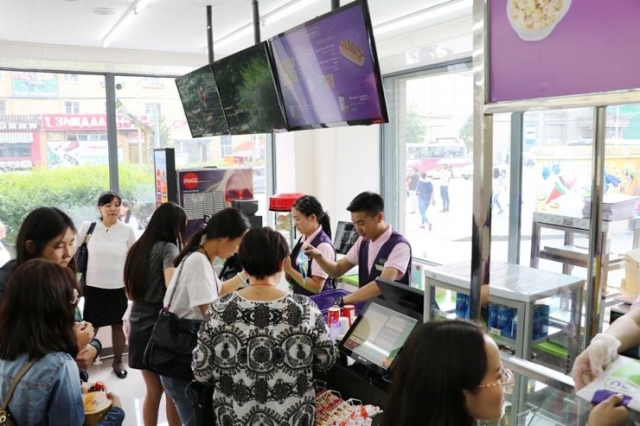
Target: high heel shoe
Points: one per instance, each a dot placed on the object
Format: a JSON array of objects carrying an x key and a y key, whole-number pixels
[{"x": 120, "y": 371}]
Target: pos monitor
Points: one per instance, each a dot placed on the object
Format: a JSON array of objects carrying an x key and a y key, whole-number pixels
[
  {"x": 378, "y": 335},
  {"x": 402, "y": 295}
]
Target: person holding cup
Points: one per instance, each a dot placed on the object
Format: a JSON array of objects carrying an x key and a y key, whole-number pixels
[{"x": 37, "y": 320}]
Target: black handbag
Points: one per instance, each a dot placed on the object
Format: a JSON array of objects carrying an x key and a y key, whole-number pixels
[
  {"x": 82, "y": 254},
  {"x": 169, "y": 350}
]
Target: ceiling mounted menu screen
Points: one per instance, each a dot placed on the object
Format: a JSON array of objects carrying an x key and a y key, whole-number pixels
[
  {"x": 248, "y": 91},
  {"x": 328, "y": 71},
  {"x": 201, "y": 103}
]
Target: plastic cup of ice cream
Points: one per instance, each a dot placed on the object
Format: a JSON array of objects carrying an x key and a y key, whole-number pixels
[{"x": 535, "y": 20}]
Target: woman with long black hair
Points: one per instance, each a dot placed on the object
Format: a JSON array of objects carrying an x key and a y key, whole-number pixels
[
  {"x": 195, "y": 285},
  {"x": 147, "y": 272}
]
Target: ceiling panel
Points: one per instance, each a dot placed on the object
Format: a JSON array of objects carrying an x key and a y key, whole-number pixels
[{"x": 164, "y": 25}]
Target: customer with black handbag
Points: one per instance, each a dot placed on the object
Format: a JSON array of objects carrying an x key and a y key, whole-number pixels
[
  {"x": 147, "y": 271},
  {"x": 259, "y": 345},
  {"x": 49, "y": 233},
  {"x": 105, "y": 301},
  {"x": 191, "y": 291}
]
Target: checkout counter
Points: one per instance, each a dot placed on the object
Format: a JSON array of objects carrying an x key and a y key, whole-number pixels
[{"x": 373, "y": 344}]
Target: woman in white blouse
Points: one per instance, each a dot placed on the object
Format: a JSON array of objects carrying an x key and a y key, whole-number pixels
[
  {"x": 194, "y": 285},
  {"x": 105, "y": 298},
  {"x": 5, "y": 256}
]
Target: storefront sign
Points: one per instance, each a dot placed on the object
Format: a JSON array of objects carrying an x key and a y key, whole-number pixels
[
  {"x": 58, "y": 122},
  {"x": 562, "y": 48},
  {"x": 11, "y": 123}
]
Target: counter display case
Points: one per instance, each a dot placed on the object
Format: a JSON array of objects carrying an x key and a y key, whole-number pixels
[{"x": 519, "y": 287}]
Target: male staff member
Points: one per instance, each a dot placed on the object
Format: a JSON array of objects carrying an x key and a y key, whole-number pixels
[{"x": 378, "y": 252}]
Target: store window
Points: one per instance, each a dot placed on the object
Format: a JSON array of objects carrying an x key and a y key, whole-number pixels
[
  {"x": 433, "y": 133},
  {"x": 49, "y": 153},
  {"x": 71, "y": 78},
  {"x": 72, "y": 107},
  {"x": 155, "y": 119}
]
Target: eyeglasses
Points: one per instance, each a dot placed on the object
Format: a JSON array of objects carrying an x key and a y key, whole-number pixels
[
  {"x": 74, "y": 296},
  {"x": 506, "y": 381}
]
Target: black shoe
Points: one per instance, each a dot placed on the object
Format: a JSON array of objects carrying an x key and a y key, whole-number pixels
[{"x": 120, "y": 371}]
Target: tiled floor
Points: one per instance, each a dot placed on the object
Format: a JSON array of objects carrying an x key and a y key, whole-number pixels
[{"x": 131, "y": 391}]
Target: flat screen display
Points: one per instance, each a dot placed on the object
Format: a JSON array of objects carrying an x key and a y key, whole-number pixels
[
  {"x": 201, "y": 102},
  {"x": 378, "y": 335},
  {"x": 248, "y": 91},
  {"x": 402, "y": 295},
  {"x": 328, "y": 71},
  {"x": 346, "y": 237}
]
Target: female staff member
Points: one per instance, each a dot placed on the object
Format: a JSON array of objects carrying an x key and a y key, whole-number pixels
[
  {"x": 313, "y": 223},
  {"x": 195, "y": 285},
  {"x": 147, "y": 272},
  {"x": 446, "y": 389},
  {"x": 49, "y": 233},
  {"x": 105, "y": 299},
  {"x": 282, "y": 336},
  {"x": 36, "y": 324}
]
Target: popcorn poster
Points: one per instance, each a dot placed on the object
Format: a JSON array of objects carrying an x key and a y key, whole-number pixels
[{"x": 553, "y": 48}]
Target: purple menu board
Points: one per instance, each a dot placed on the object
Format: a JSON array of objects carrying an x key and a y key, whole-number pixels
[
  {"x": 557, "y": 48},
  {"x": 328, "y": 71}
]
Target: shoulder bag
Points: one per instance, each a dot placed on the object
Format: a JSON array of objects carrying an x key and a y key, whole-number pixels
[
  {"x": 6, "y": 419},
  {"x": 169, "y": 350},
  {"x": 82, "y": 255}
]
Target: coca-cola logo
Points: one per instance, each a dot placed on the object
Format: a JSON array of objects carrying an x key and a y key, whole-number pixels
[{"x": 190, "y": 181}]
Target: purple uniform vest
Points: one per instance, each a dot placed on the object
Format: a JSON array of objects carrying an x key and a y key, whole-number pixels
[
  {"x": 364, "y": 276},
  {"x": 328, "y": 283}
]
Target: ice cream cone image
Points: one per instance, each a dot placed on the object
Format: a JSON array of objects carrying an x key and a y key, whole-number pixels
[{"x": 556, "y": 192}]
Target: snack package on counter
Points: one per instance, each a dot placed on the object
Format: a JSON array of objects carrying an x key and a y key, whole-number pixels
[{"x": 621, "y": 377}]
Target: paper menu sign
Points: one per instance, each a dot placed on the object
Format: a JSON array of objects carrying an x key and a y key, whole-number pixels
[{"x": 621, "y": 377}]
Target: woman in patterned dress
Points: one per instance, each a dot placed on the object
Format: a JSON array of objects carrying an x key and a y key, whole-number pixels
[{"x": 259, "y": 345}]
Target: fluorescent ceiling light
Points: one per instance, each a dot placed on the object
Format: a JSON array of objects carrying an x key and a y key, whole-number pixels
[
  {"x": 129, "y": 15},
  {"x": 234, "y": 36},
  {"x": 270, "y": 18},
  {"x": 286, "y": 10},
  {"x": 442, "y": 9}
]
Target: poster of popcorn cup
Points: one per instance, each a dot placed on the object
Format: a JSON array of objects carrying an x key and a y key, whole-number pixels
[{"x": 535, "y": 20}]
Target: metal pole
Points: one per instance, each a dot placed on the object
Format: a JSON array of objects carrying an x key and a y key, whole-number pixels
[
  {"x": 482, "y": 163},
  {"x": 112, "y": 132},
  {"x": 256, "y": 21},
  {"x": 515, "y": 185},
  {"x": 210, "y": 34},
  {"x": 335, "y": 4},
  {"x": 594, "y": 269}
]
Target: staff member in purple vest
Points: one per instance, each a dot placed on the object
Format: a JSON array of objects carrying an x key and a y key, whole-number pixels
[
  {"x": 378, "y": 252},
  {"x": 313, "y": 223}
]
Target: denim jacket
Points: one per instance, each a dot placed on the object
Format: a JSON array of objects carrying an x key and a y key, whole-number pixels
[{"x": 49, "y": 394}]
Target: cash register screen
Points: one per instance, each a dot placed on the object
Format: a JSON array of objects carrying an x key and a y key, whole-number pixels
[{"x": 378, "y": 335}]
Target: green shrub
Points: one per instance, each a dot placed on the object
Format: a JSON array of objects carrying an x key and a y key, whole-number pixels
[{"x": 72, "y": 189}]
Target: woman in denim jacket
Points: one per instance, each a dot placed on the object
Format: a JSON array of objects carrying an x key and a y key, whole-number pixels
[{"x": 37, "y": 322}]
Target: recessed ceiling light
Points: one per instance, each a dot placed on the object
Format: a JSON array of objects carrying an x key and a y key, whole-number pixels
[{"x": 103, "y": 11}]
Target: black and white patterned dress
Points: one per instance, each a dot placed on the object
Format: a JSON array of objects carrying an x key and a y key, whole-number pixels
[{"x": 260, "y": 356}]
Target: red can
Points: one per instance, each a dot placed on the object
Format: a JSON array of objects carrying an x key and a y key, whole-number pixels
[
  {"x": 349, "y": 311},
  {"x": 333, "y": 317}
]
